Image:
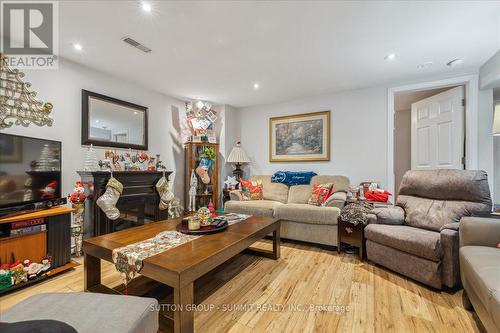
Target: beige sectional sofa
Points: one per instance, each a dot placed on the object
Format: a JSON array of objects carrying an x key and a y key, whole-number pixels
[
  {"x": 480, "y": 268},
  {"x": 299, "y": 220}
]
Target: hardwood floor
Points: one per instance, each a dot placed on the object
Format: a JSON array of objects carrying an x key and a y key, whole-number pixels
[{"x": 374, "y": 299}]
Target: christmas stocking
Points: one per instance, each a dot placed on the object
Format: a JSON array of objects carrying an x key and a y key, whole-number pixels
[
  {"x": 165, "y": 194},
  {"x": 108, "y": 200}
]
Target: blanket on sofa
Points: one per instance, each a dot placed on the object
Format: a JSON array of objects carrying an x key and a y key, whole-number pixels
[{"x": 356, "y": 213}]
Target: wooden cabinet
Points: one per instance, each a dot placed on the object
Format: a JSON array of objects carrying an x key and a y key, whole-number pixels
[{"x": 204, "y": 192}]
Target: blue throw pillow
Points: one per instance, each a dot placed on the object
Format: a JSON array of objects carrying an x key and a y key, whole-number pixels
[{"x": 293, "y": 177}]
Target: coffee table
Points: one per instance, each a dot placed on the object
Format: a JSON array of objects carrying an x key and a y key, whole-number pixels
[{"x": 179, "y": 267}]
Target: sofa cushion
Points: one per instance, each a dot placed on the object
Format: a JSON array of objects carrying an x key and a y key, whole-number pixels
[
  {"x": 272, "y": 191},
  {"x": 307, "y": 213},
  {"x": 419, "y": 242},
  {"x": 481, "y": 265},
  {"x": 299, "y": 194},
  {"x": 340, "y": 183},
  {"x": 89, "y": 312},
  {"x": 252, "y": 207}
]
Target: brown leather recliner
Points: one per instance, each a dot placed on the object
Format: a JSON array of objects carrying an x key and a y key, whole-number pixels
[{"x": 418, "y": 237}]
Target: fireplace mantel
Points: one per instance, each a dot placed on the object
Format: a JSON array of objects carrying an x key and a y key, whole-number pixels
[{"x": 138, "y": 204}]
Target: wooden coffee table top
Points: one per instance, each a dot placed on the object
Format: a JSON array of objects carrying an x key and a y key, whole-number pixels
[{"x": 191, "y": 259}]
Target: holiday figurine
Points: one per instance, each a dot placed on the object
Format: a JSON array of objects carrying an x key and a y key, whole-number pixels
[
  {"x": 192, "y": 192},
  {"x": 211, "y": 209}
]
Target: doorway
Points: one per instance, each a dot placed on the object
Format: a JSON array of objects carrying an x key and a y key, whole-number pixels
[
  {"x": 399, "y": 99},
  {"x": 408, "y": 127}
]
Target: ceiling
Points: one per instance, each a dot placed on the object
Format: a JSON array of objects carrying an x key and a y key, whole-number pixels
[{"x": 218, "y": 50}]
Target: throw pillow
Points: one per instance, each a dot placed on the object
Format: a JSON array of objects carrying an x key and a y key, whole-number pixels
[
  {"x": 251, "y": 190},
  {"x": 291, "y": 178},
  {"x": 319, "y": 194}
]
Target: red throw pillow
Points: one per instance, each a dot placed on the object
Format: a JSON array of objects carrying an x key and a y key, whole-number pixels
[
  {"x": 251, "y": 190},
  {"x": 320, "y": 193}
]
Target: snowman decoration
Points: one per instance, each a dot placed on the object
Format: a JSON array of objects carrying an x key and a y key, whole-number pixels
[{"x": 192, "y": 192}]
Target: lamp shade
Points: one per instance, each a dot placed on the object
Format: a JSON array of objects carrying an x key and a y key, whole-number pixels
[
  {"x": 496, "y": 121},
  {"x": 238, "y": 155}
]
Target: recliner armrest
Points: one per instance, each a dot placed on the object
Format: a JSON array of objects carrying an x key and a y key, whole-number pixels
[
  {"x": 236, "y": 195},
  {"x": 387, "y": 215},
  {"x": 479, "y": 231}
]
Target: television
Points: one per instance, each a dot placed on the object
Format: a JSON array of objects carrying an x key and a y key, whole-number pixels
[{"x": 30, "y": 174}]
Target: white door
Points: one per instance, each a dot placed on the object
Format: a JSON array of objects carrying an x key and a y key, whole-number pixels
[{"x": 437, "y": 131}]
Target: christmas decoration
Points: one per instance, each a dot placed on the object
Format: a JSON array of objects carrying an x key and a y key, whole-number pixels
[
  {"x": 165, "y": 194},
  {"x": 175, "y": 208},
  {"x": 90, "y": 163},
  {"x": 77, "y": 199},
  {"x": 211, "y": 209},
  {"x": 108, "y": 200},
  {"x": 192, "y": 192},
  {"x": 18, "y": 104},
  {"x": 231, "y": 182}
]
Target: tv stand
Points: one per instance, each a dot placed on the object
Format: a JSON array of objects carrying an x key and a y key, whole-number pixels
[{"x": 55, "y": 242}]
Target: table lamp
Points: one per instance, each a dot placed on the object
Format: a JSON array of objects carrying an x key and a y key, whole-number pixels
[{"x": 238, "y": 156}]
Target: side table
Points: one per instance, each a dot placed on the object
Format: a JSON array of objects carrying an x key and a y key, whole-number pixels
[{"x": 351, "y": 234}]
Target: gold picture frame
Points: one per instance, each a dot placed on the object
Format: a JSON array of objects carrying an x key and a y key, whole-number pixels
[{"x": 301, "y": 137}]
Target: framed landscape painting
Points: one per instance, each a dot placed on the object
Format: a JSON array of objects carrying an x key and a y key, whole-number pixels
[{"x": 300, "y": 138}]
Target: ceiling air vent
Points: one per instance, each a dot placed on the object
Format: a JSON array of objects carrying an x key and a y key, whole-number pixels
[{"x": 136, "y": 44}]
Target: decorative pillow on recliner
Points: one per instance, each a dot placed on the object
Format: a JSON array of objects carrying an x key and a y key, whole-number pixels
[
  {"x": 319, "y": 194},
  {"x": 251, "y": 190},
  {"x": 293, "y": 177}
]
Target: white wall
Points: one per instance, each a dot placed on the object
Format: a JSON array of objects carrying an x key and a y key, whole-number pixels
[
  {"x": 63, "y": 88},
  {"x": 358, "y": 134},
  {"x": 489, "y": 73},
  {"x": 402, "y": 144}
]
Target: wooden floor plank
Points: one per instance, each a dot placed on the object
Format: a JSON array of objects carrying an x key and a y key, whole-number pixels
[{"x": 373, "y": 298}]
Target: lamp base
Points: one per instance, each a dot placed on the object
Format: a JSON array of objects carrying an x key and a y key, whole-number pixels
[{"x": 237, "y": 172}]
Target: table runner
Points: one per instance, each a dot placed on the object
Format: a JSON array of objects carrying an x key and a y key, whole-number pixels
[{"x": 129, "y": 259}]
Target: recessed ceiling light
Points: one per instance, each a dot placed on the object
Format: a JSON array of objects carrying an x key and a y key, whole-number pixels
[
  {"x": 425, "y": 65},
  {"x": 391, "y": 56},
  {"x": 256, "y": 86},
  {"x": 78, "y": 46},
  {"x": 146, "y": 7},
  {"x": 135, "y": 112},
  {"x": 97, "y": 120},
  {"x": 454, "y": 62}
]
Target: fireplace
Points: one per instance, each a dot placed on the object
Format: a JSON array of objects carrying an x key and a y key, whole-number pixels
[{"x": 138, "y": 203}]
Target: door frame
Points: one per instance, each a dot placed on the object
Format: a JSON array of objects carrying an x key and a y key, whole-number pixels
[{"x": 471, "y": 83}]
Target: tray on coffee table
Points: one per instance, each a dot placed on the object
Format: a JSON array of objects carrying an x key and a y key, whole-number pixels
[{"x": 205, "y": 230}]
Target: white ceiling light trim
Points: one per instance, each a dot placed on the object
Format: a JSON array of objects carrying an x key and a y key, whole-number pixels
[
  {"x": 391, "y": 57},
  {"x": 146, "y": 6}
]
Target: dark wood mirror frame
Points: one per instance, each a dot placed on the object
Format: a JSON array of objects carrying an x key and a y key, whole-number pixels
[{"x": 86, "y": 140}]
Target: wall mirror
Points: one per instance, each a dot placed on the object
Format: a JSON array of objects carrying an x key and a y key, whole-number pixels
[{"x": 110, "y": 122}]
